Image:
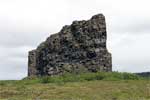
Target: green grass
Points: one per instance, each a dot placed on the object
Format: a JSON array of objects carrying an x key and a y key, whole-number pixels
[
  {"x": 88, "y": 86},
  {"x": 85, "y": 77}
]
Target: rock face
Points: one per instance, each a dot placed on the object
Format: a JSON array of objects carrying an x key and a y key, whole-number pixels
[{"x": 79, "y": 47}]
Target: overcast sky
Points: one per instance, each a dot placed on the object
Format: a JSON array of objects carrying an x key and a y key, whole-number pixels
[{"x": 26, "y": 23}]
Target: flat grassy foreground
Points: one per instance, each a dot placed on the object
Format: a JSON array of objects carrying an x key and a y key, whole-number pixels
[{"x": 78, "y": 87}]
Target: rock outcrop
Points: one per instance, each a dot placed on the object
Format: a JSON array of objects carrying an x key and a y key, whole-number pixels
[{"x": 79, "y": 47}]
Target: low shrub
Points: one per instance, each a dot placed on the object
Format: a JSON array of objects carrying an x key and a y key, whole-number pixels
[
  {"x": 45, "y": 79},
  {"x": 129, "y": 76}
]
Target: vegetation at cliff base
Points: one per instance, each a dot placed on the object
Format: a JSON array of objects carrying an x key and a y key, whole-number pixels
[
  {"x": 87, "y": 86},
  {"x": 114, "y": 76}
]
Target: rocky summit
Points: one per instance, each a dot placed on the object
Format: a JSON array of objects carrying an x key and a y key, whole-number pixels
[{"x": 77, "y": 48}]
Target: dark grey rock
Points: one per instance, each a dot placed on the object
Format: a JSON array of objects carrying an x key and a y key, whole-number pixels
[{"x": 79, "y": 47}]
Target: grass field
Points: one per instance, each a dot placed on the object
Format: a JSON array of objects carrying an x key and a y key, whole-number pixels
[{"x": 91, "y": 87}]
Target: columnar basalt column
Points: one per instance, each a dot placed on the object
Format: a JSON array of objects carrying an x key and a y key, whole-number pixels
[{"x": 79, "y": 47}]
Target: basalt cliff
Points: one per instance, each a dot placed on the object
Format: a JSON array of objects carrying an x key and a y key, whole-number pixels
[{"x": 77, "y": 48}]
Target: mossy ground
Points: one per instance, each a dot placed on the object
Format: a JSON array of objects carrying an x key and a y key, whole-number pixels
[{"x": 80, "y": 88}]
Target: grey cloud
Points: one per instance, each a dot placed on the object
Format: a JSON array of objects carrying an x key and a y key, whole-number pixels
[
  {"x": 132, "y": 57},
  {"x": 13, "y": 63},
  {"x": 21, "y": 51},
  {"x": 137, "y": 26},
  {"x": 15, "y": 69},
  {"x": 21, "y": 39},
  {"x": 24, "y": 24}
]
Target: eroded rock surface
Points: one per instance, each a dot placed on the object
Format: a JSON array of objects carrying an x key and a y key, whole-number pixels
[{"x": 79, "y": 47}]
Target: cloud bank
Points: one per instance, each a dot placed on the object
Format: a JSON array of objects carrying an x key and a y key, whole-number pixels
[{"x": 26, "y": 23}]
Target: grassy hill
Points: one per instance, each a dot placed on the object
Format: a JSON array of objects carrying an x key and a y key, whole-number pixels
[
  {"x": 144, "y": 74},
  {"x": 89, "y": 86}
]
